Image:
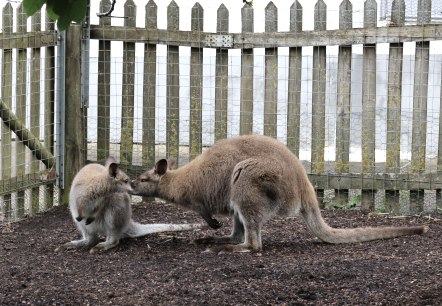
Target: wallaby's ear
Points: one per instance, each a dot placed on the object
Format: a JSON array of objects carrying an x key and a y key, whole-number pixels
[
  {"x": 110, "y": 160},
  {"x": 171, "y": 163},
  {"x": 161, "y": 167},
  {"x": 113, "y": 169}
]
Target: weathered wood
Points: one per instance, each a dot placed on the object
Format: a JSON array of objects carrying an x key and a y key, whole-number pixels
[
  {"x": 26, "y": 136},
  {"x": 7, "y": 25},
  {"x": 104, "y": 88},
  {"x": 394, "y": 101},
  {"x": 128, "y": 89},
  {"x": 271, "y": 74},
  {"x": 318, "y": 98},
  {"x": 173, "y": 86},
  {"x": 294, "y": 83},
  {"x": 318, "y": 93},
  {"x": 247, "y": 65},
  {"x": 27, "y": 181},
  {"x": 409, "y": 33},
  {"x": 221, "y": 76},
  {"x": 27, "y": 40},
  {"x": 378, "y": 181},
  {"x": 74, "y": 126},
  {"x": 420, "y": 95},
  {"x": 343, "y": 101},
  {"x": 149, "y": 90},
  {"x": 368, "y": 137},
  {"x": 49, "y": 106},
  {"x": 20, "y": 100},
  {"x": 35, "y": 126},
  {"x": 196, "y": 86}
]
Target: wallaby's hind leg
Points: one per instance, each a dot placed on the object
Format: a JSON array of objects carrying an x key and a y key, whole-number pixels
[
  {"x": 237, "y": 235},
  {"x": 251, "y": 237},
  {"x": 110, "y": 242},
  {"x": 255, "y": 199},
  {"x": 88, "y": 240}
]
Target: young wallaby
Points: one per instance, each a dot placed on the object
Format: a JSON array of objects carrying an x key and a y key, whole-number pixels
[
  {"x": 254, "y": 178},
  {"x": 100, "y": 206}
]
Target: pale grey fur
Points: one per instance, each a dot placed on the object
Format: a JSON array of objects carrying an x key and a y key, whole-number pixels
[
  {"x": 254, "y": 178},
  {"x": 100, "y": 206}
]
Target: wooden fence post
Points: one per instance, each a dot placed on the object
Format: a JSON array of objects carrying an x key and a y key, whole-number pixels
[
  {"x": 420, "y": 94},
  {"x": 196, "y": 86},
  {"x": 75, "y": 115},
  {"x": 7, "y": 26},
  {"x": 35, "y": 107},
  {"x": 247, "y": 62},
  {"x": 368, "y": 137},
  {"x": 149, "y": 90},
  {"x": 49, "y": 106},
  {"x": 173, "y": 86},
  {"x": 20, "y": 96},
  {"x": 271, "y": 74},
  {"x": 221, "y": 76},
  {"x": 343, "y": 101},
  {"x": 394, "y": 106},
  {"x": 318, "y": 98},
  {"x": 294, "y": 83},
  {"x": 104, "y": 88},
  {"x": 128, "y": 90}
]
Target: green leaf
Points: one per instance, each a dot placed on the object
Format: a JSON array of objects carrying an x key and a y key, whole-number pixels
[
  {"x": 63, "y": 23},
  {"x": 32, "y": 6},
  {"x": 51, "y": 13},
  {"x": 78, "y": 10}
]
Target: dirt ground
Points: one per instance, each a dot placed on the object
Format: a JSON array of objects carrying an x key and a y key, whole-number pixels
[{"x": 164, "y": 269}]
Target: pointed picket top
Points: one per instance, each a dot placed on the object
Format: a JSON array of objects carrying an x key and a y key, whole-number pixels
[
  {"x": 173, "y": 16},
  {"x": 296, "y": 17},
  {"x": 370, "y": 13},
  {"x": 424, "y": 12},
  {"x": 197, "y": 17},
  {"x": 105, "y": 6},
  {"x": 7, "y": 18},
  {"x": 21, "y": 20},
  {"x": 36, "y": 22},
  {"x": 320, "y": 15},
  {"x": 345, "y": 15},
  {"x": 222, "y": 25},
  {"x": 271, "y": 17},
  {"x": 151, "y": 14},
  {"x": 130, "y": 11},
  {"x": 247, "y": 18},
  {"x": 398, "y": 12}
]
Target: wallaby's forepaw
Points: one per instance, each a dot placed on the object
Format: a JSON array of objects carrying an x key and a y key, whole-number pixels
[
  {"x": 89, "y": 220},
  {"x": 79, "y": 218},
  {"x": 215, "y": 224}
]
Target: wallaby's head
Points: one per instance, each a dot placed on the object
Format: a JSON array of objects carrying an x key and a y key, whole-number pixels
[
  {"x": 147, "y": 183},
  {"x": 120, "y": 181}
]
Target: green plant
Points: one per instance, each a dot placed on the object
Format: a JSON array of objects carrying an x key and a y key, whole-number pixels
[{"x": 64, "y": 12}]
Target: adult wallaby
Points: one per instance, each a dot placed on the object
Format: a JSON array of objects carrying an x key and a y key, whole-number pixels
[
  {"x": 254, "y": 178},
  {"x": 100, "y": 206}
]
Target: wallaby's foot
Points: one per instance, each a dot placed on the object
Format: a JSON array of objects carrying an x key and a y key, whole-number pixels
[
  {"x": 216, "y": 240},
  {"x": 103, "y": 246},
  {"x": 213, "y": 223},
  {"x": 232, "y": 248}
]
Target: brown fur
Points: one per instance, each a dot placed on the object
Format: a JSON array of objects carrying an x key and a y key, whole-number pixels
[{"x": 254, "y": 178}]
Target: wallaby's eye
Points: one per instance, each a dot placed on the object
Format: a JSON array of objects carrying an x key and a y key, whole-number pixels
[{"x": 143, "y": 180}]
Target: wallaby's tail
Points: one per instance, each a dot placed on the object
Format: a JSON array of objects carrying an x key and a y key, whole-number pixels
[
  {"x": 136, "y": 229},
  {"x": 312, "y": 215}
]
